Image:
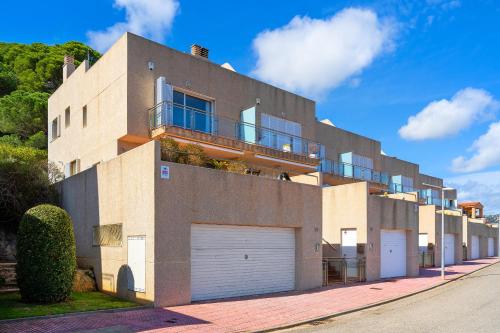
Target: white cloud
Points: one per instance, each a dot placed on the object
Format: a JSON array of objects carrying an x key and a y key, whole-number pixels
[
  {"x": 486, "y": 152},
  {"x": 148, "y": 18},
  {"x": 448, "y": 117},
  {"x": 314, "y": 55},
  {"x": 481, "y": 186}
]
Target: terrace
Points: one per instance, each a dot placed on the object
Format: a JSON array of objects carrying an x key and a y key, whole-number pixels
[{"x": 226, "y": 138}]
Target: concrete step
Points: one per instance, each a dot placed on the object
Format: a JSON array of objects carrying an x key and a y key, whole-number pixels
[{"x": 8, "y": 271}]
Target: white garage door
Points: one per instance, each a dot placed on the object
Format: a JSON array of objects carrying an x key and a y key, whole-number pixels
[
  {"x": 229, "y": 261},
  {"x": 491, "y": 247},
  {"x": 474, "y": 247},
  {"x": 449, "y": 249},
  {"x": 393, "y": 253}
]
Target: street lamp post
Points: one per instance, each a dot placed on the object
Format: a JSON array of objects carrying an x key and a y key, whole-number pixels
[{"x": 443, "y": 189}]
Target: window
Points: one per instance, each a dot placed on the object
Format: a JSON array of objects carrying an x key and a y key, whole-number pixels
[
  {"x": 74, "y": 167},
  {"x": 192, "y": 112},
  {"x": 84, "y": 116},
  {"x": 67, "y": 117},
  {"x": 107, "y": 235},
  {"x": 55, "y": 130}
]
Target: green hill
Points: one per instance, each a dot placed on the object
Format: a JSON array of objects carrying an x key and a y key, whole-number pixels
[{"x": 28, "y": 75}]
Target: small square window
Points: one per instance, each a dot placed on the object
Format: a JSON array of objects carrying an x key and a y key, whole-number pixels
[
  {"x": 84, "y": 116},
  {"x": 67, "y": 117}
]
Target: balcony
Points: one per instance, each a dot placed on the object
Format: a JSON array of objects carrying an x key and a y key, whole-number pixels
[
  {"x": 222, "y": 137},
  {"x": 353, "y": 172}
]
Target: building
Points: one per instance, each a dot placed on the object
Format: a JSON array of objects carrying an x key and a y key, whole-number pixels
[
  {"x": 430, "y": 236},
  {"x": 143, "y": 223},
  {"x": 480, "y": 239},
  {"x": 173, "y": 233}
]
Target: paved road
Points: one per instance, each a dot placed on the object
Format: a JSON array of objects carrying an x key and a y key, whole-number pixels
[{"x": 471, "y": 304}]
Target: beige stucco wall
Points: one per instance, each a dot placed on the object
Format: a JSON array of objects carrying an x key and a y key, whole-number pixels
[
  {"x": 338, "y": 141},
  {"x": 312, "y": 178},
  {"x": 350, "y": 206},
  {"x": 230, "y": 199},
  {"x": 430, "y": 224},
  {"x": 427, "y": 179},
  {"x": 118, "y": 191},
  {"x": 395, "y": 167},
  {"x": 128, "y": 190},
  {"x": 231, "y": 91},
  {"x": 103, "y": 89},
  {"x": 391, "y": 214},
  {"x": 482, "y": 230}
]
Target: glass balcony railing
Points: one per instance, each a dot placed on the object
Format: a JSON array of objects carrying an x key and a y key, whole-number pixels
[
  {"x": 173, "y": 115},
  {"x": 429, "y": 200},
  {"x": 399, "y": 188},
  {"x": 353, "y": 171}
]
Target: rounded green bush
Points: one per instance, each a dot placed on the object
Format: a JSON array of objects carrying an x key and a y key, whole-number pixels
[{"x": 46, "y": 259}]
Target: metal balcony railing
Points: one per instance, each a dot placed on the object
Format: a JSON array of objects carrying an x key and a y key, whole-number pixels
[
  {"x": 172, "y": 115},
  {"x": 343, "y": 270},
  {"x": 353, "y": 171}
]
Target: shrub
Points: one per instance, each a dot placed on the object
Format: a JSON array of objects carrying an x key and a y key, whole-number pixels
[
  {"x": 217, "y": 164},
  {"x": 194, "y": 155},
  {"x": 24, "y": 183},
  {"x": 46, "y": 261},
  {"x": 237, "y": 166},
  {"x": 170, "y": 150}
]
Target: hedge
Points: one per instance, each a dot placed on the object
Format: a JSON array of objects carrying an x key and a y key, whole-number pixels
[{"x": 46, "y": 255}]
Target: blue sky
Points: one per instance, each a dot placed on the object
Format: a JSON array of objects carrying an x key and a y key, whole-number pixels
[{"x": 418, "y": 52}]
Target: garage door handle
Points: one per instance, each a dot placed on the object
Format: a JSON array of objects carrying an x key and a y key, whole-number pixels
[{"x": 390, "y": 251}]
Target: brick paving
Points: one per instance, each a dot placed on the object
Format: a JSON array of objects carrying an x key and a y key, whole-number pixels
[{"x": 247, "y": 314}]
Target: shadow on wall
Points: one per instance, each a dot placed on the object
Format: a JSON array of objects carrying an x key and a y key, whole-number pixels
[{"x": 124, "y": 281}]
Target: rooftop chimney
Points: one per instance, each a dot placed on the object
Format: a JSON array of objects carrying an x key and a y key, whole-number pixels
[
  {"x": 68, "y": 67},
  {"x": 200, "y": 51}
]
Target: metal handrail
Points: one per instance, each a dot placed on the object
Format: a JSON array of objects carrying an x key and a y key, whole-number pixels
[
  {"x": 344, "y": 273},
  {"x": 162, "y": 114}
]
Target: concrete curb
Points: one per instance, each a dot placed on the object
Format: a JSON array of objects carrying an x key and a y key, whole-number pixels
[
  {"x": 372, "y": 305},
  {"x": 76, "y": 314}
]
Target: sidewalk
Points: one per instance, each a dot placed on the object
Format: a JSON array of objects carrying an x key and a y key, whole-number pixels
[{"x": 248, "y": 314}]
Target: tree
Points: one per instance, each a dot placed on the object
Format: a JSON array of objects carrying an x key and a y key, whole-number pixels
[
  {"x": 24, "y": 183},
  {"x": 46, "y": 255},
  {"x": 38, "y": 67},
  {"x": 23, "y": 113},
  {"x": 8, "y": 81}
]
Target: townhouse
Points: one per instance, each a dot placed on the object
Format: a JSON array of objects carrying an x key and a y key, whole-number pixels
[
  {"x": 308, "y": 193},
  {"x": 480, "y": 239}
]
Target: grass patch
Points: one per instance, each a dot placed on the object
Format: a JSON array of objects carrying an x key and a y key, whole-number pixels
[{"x": 11, "y": 306}]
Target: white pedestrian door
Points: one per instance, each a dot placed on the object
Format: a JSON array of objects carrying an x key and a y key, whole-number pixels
[
  {"x": 449, "y": 249},
  {"x": 491, "y": 247},
  {"x": 349, "y": 250},
  {"x": 230, "y": 261},
  {"x": 136, "y": 259},
  {"x": 423, "y": 242},
  {"x": 392, "y": 253},
  {"x": 474, "y": 247}
]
